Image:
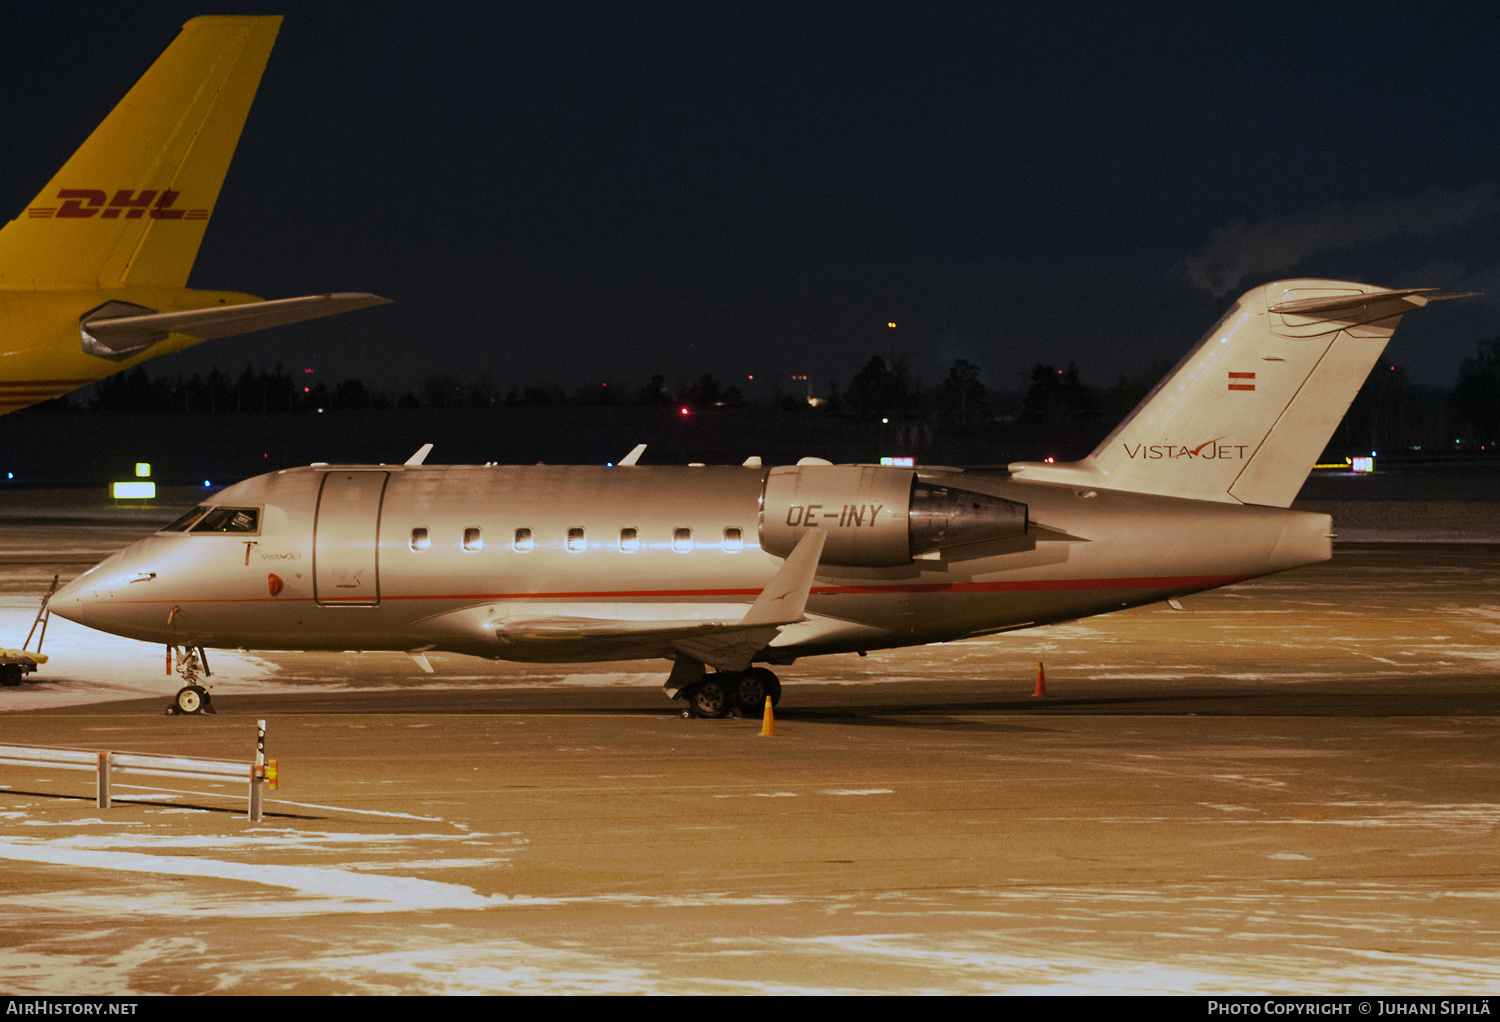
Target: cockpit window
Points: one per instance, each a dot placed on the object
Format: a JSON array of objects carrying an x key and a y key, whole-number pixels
[
  {"x": 181, "y": 524},
  {"x": 230, "y": 519}
]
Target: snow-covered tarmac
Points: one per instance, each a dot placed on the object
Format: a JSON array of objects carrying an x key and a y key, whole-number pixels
[{"x": 1287, "y": 787}]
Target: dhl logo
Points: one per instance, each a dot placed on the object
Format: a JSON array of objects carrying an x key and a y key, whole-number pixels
[{"x": 82, "y": 203}]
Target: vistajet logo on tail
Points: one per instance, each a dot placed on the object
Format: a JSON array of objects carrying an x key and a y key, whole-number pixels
[
  {"x": 82, "y": 203},
  {"x": 1209, "y": 450}
]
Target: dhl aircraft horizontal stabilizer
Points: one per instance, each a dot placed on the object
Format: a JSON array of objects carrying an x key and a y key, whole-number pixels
[
  {"x": 120, "y": 329},
  {"x": 93, "y": 274}
]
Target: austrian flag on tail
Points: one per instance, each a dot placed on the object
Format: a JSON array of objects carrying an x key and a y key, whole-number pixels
[{"x": 1241, "y": 381}]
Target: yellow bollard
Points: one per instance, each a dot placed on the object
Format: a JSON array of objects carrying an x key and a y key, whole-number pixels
[{"x": 768, "y": 722}]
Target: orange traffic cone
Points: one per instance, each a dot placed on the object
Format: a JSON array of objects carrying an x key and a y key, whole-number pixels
[
  {"x": 768, "y": 722},
  {"x": 1041, "y": 681}
]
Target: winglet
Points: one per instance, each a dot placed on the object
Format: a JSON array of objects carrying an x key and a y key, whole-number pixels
[
  {"x": 420, "y": 456},
  {"x": 783, "y": 601},
  {"x": 634, "y": 455}
]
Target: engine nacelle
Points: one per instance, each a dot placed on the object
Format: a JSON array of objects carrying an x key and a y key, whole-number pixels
[{"x": 877, "y": 517}]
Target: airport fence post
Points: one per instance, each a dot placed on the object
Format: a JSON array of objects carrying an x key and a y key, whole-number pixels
[
  {"x": 258, "y": 771},
  {"x": 255, "y": 779},
  {"x": 103, "y": 771}
]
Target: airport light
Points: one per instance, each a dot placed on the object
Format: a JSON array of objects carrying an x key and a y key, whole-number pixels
[
  {"x": 1362, "y": 464},
  {"x": 133, "y": 491},
  {"x": 900, "y": 462},
  {"x": 143, "y": 470}
]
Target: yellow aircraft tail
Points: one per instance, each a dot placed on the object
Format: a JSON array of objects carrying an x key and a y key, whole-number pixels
[{"x": 130, "y": 207}]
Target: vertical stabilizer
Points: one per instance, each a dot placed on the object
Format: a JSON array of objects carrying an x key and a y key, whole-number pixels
[
  {"x": 1245, "y": 414},
  {"x": 130, "y": 207}
]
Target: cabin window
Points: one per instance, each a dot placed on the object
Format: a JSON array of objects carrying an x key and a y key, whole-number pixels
[
  {"x": 734, "y": 541},
  {"x": 419, "y": 539},
  {"x": 182, "y": 524},
  {"x": 682, "y": 540},
  {"x": 472, "y": 540},
  {"x": 630, "y": 540},
  {"x": 230, "y": 519},
  {"x": 524, "y": 541},
  {"x": 576, "y": 541}
]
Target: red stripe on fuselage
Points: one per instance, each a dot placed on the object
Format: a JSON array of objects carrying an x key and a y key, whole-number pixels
[{"x": 1029, "y": 586}]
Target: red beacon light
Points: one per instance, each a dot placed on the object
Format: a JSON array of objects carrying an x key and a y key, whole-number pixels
[{"x": 683, "y": 410}]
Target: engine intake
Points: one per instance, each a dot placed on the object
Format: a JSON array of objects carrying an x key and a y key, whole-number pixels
[{"x": 877, "y": 517}]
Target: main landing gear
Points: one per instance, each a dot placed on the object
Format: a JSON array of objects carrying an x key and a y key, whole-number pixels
[
  {"x": 725, "y": 692},
  {"x": 191, "y": 698}
]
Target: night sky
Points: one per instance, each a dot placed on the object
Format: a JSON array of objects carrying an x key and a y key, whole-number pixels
[{"x": 585, "y": 192}]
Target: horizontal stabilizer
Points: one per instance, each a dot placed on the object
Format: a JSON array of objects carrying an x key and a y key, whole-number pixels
[
  {"x": 121, "y": 333},
  {"x": 1322, "y": 308}
]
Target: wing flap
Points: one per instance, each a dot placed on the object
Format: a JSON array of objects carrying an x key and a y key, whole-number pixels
[{"x": 727, "y": 647}]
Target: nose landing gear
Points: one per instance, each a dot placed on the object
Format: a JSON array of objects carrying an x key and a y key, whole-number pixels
[
  {"x": 192, "y": 698},
  {"x": 727, "y": 692}
]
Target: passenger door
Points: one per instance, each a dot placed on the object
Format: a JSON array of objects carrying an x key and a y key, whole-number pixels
[{"x": 346, "y": 539}]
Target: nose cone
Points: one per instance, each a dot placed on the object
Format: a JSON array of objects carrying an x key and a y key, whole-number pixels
[{"x": 96, "y": 597}]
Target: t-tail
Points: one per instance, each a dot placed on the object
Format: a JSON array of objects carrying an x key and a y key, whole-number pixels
[
  {"x": 1245, "y": 414},
  {"x": 109, "y": 242}
]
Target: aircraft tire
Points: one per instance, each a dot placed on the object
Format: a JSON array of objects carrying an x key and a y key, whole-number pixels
[
  {"x": 189, "y": 699},
  {"x": 750, "y": 689},
  {"x": 708, "y": 698},
  {"x": 771, "y": 684}
]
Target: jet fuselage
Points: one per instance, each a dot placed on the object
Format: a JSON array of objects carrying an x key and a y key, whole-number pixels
[{"x": 505, "y": 561}]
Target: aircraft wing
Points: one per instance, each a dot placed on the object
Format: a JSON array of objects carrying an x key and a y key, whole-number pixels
[
  {"x": 123, "y": 332},
  {"x": 724, "y": 645}
]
